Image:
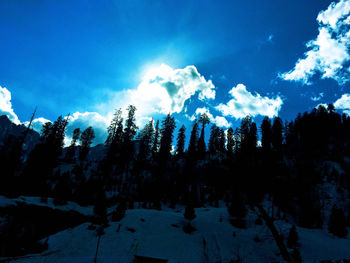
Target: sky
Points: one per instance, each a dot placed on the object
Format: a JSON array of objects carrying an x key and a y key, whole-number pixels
[{"x": 226, "y": 58}]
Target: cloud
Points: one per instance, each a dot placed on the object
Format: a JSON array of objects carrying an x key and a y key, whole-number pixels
[
  {"x": 270, "y": 38},
  {"x": 6, "y": 105},
  {"x": 218, "y": 120},
  {"x": 82, "y": 121},
  {"x": 328, "y": 54},
  {"x": 244, "y": 103},
  {"x": 343, "y": 103},
  {"x": 37, "y": 123},
  {"x": 86, "y": 119},
  {"x": 317, "y": 98},
  {"x": 164, "y": 90}
]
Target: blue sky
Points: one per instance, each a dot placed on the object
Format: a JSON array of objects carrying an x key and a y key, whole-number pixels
[{"x": 88, "y": 58}]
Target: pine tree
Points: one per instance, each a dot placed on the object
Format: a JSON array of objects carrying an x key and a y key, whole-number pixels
[
  {"x": 167, "y": 130},
  {"x": 214, "y": 138},
  {"x": 277, "y": 136},
  {"x": 100, "y": 205},
  {"x": 337, "y": 223},
  {"x": 71, "y": 149},
  {"x": 86, "y": 138},
  {"x": 180, "y": 146},
  {"x": 146, "y": 137},
  {"x": 155, "y": 145},
  {"x": 230, "y": 142},
  {"x": 192, "y": 147},
  {"x": 115, "y": 129},
  {"x": 44, "y": 157},
  {"x": 292, "y": 240},
  {"x": 189, "y": 213},
  {"x": 266, "y": 134},
  {"x": 130, "y": 124},
  {"x": 222, "y": 140},
  {"x": 129, "y": 134},
  {"x": 204, "y": 120},
  {"x": 119, "y": 212}
]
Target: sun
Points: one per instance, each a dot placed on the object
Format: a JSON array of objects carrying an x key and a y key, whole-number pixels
[{"x": 152, "y": 71}]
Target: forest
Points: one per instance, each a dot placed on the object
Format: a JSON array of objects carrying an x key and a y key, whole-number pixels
[{"x": 140, "y": 166}]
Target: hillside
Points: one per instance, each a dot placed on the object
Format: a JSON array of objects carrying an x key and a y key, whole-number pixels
[{"x": 159, "y": 234}]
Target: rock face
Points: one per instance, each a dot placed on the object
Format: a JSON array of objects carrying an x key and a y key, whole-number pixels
[{"x": 8, "y": 128}]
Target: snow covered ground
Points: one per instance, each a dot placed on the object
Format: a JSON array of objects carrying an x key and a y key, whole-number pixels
[
  {"x": 159, "y": 234},
  {"x": 36, "y": 200}
]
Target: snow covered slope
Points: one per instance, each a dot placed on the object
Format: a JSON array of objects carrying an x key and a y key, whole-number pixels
[{"x": 159, "y": 234}]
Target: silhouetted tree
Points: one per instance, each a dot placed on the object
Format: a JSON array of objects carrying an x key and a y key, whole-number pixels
[
  {"x": 266, "y": 134},
  {"x": 100, "y": 205},
  {"x": 192, "y": 147},
  {"x": 337, "y": 223},
  {"x": 86, "y": 138},
  {"x": 204, "y": 120},
  {"x": 292, "y": 240},
  {"x": 71, "y": 149},
  {"x": 277, "y": 136},
  {"x": 156, "y": 140},
  {"x": 230, "y": 142},
  {"x": 128, "y": 136},
  {"x": 167, "y": 130},
  {"x": 146, "y": 137},
  {"x": 222, "y": 140},
  {"x": 44, "y": 157},
  {"x": 214, "y": 139},
  {"x": 180, "y": 146}
]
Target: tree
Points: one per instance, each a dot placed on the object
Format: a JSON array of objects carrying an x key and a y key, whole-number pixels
[
  {"x": 337, "y": 223},
  {"x": 266, "y": 134},
  {"x": 180, "y": 146},
  {"x": 277, "y": 137},
  {"x": 100, "y": 205},
  {"x": 204, "y": 120},
  {"x": 230, "y": 142},
  {"x": 128, "y": 135},
  {"x": 155, "y": 145},
  {"x": 292, "y": 240},
  {"x": 44, "y": 157},
  {"x": 115, "y": 129},
  {"x": 192, "y": 147},
  {"x": 146, "y": 138},
  {"x": 248, "y": 137},
  {"x": 189, "y": 213},
  {"x": 167, "y": 130},
  {"x": 71, "y": 149},
  {"x": 119, "y": 212},
  {"x": 214, "y": 139},
  {"x": 222, "y": 140},
  {"x": 87, "y": 136}
]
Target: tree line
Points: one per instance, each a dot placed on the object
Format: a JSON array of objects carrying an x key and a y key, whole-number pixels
[{"x": 142, "y": 166}]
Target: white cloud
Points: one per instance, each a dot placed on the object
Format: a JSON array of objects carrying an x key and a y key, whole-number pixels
[
  {"x": 329, "y": 52},
  {"x": 343, "y": 103},
  {"x": 244, "y": 103},
  {"x": 218, "y": 120},
  {"x": 86, "y": 119},
  {"x": 163, "y": 90},
  {"x": 6, "y": 105},
  {"x": 317, "y": 98},
  {"x": 37, "y": 123},
  {"x": 82, "y": 121},
  {"x": 270, "y": 38}
]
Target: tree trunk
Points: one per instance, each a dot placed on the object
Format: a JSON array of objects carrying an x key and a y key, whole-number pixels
[{"x": 279, "y": 240}]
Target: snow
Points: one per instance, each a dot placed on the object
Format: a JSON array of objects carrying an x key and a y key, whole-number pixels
[
  {"x": 35, "y": 200},
  {"x": 156, "y": 235}
]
